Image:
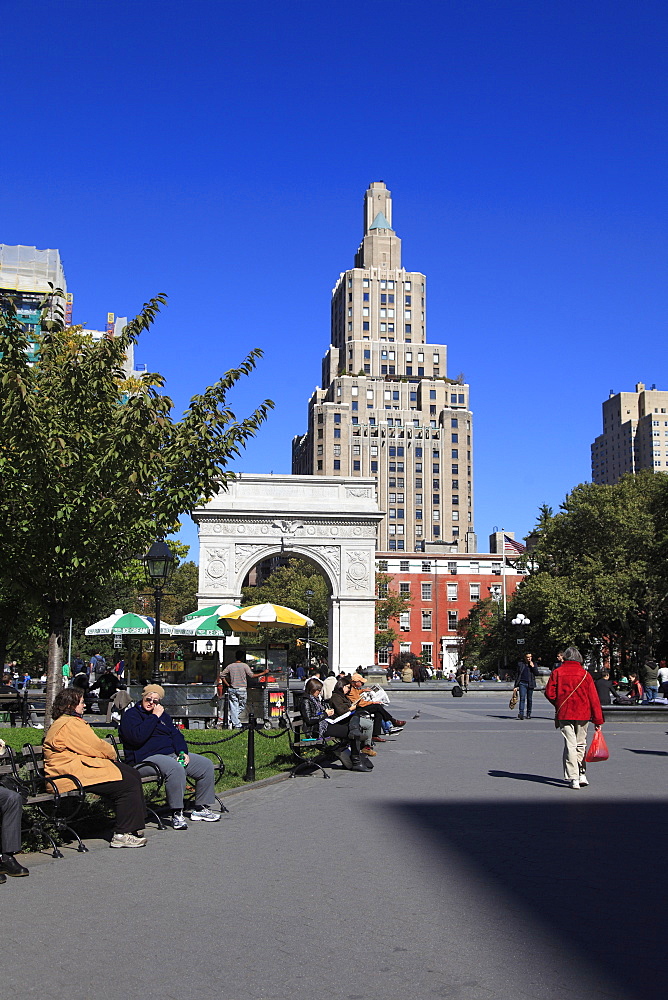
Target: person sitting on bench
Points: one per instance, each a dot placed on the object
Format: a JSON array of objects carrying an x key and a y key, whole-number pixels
[
  {"x": 315, "y": 715},
  {"x": 71, "y": 748},
  {"x": 148, "y": 733},
  {"x": 11, "y": 807}
]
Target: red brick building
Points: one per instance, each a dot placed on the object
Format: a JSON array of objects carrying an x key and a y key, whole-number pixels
[{"x": 443, "y": 587}]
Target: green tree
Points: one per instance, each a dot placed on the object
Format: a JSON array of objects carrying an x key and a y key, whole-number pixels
[
  {"x": 599, "y": 569},
  {"x": 389, "y": 605},
  {"x": 93, "y": 467},
  {"x": 288, "y": 585}
]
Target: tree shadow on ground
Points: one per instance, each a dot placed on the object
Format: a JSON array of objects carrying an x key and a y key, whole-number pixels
[
  {"x": 569, "y": 848},
  {"x": 649, "y": 753}
]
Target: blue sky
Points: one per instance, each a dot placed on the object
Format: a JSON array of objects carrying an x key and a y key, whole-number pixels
[{"x": 219, "y": 152}]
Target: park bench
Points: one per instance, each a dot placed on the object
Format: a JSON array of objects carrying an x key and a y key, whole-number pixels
[
  {"x": 48, "y": 809},
  {"x": 15, "y": 706},
  {"x": 310, "y": 752}
]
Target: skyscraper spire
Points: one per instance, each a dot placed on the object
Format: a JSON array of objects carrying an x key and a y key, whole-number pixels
[{"x": 386, "y": 409}]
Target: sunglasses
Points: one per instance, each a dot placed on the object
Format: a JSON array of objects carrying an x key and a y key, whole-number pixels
[{"x": 152, "y": 701}]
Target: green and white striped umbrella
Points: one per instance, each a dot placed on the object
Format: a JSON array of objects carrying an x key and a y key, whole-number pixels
[
  {"x": 127, "y": 623},
  {"x": 201, "y": 628},
  {"x": 219, "y": 610}
]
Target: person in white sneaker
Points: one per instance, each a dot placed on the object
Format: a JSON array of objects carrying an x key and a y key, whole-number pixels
[
  {"x": 148, "y": 733},
  {"x": 72, "y": 748},
  {"x": 572, "y": 691}
]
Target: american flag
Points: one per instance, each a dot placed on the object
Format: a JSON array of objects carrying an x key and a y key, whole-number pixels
[{"x": 511, "y": 547}]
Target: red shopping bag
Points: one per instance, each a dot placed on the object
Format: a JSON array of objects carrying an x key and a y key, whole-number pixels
[{"x": 598, "y": 749}]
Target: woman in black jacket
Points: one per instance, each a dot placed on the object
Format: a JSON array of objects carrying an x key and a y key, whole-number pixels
[{"x": 315, "y": 715}]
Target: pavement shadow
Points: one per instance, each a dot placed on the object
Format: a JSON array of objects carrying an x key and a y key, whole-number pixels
[
  {"x": 520, "y": 776},
  {"x": 573, "y": 845},
  {"x": 649, "y": 753}
]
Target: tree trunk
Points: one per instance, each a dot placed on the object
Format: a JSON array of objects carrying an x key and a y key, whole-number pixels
[
  {"x": 4, "y": 636},
  {"x": 54, "y": 671}
]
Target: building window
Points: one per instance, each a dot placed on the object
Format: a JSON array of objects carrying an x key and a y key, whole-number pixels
[
  {"x": 337, "y": 432},
  {"x": 452, "y": 591},
  {"x": 365, "y": 325},
  {"x": 404, "y": 588},
  {"x": 403, "y": 565},
  {"x": 427, "y": 652},
  {"x": 426, "y": 566},
  {"x": 426, "y": 621},
  {"x": 474, "y": 592},
  {"x": 452, "y": 621},
  {"x": 405, "y": 621},
  {"x": 356, "y": 466},
  {"x": 320, "y": 466},
  {"x": 384, "y": 655},
  {"x": 382, "y": 567},
  {"x": 374, "y": 467},
  {"x": 426, "y": 591},
  {"x": 337, "y": 464}
]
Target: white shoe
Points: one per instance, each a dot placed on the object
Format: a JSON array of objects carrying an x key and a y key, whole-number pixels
[
  {"x": 575, "y": 783},
  {"x": 583, "y": 779},
  {"x": 127, "y": 840},
  {"x": 205, "y": 814}
]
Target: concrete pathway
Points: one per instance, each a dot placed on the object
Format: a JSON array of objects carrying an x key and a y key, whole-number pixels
[{"x": 461, "y": 867}]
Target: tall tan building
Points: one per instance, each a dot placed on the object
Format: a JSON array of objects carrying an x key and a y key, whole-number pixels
[
  {"x": 635, "y": 434},
  {"x": 387, "y": 409}
]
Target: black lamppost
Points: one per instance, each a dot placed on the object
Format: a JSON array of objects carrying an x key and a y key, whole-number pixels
[{"x": 159, "y": 565}]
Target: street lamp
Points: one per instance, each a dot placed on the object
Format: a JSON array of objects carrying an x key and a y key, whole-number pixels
[
  {"x": 309, "y": 597},
  {"x": 158, "y": 565},
  {"x": 520, "y": 621}
]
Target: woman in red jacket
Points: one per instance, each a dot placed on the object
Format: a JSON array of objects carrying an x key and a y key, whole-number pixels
[{"x": 572, "y": 691}]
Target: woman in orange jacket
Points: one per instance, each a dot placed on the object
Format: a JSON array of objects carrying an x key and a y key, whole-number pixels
[{"x": 72, "y": 748}]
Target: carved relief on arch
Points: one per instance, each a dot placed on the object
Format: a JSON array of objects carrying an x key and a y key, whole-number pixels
[
  {"x": 243, "y": 552},
  {"x": 215, "y": 567},
  {"x": 357, "y": 570}
]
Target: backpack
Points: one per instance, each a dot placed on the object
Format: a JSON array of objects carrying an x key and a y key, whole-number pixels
[{"x": 457, "y": 691}]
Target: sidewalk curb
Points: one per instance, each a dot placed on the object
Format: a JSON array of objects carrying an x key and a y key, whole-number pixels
[{"x": 273, "y": 779}]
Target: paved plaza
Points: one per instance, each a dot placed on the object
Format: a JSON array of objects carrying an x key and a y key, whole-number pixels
[{"x": 462, "y": 867}]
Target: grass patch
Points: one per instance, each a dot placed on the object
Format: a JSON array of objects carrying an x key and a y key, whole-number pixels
[{"x": 272, "y": 756}]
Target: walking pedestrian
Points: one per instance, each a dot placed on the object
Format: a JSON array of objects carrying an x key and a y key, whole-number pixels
[
  {"x": 525, "y": 682},
  {"x": 571, "y": 690}
]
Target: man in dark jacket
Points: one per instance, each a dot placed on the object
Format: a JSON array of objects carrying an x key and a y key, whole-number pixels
[
  {"x": 148, "y": 733},
  {"x": 525, "y": 680}
]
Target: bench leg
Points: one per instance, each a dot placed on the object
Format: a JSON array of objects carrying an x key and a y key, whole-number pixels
[{"x": 156, "y": 817}]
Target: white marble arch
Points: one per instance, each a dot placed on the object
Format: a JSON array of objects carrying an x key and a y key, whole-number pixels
[{"x": 331, "y": 521}]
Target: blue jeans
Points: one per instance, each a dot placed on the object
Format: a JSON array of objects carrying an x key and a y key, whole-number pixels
[
  {"x": 237, "y": 698},
  {"x": 651, "y": 692},
  {"x": 526, "y": 698}
]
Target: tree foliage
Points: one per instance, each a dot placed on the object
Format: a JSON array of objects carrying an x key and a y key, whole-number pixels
[
  {"x": 389, "y": 607},
  {"x": 288, "y": 585},
  {"x": 596, "y": 576},
  {"x": 93, "y": 469}
]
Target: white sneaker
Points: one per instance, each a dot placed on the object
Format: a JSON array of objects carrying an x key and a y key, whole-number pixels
[
  {"x": 583, "y": 779},
  {"x": 205, "y": 814},
  {"x": 126, "y": 840},
  {"x": 179, "y": 821},
  {"x": 575, "y": 783}
]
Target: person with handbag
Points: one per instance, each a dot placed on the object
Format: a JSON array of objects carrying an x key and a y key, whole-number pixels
[
  {"x": 525, "y": 683},
  {"x": 572, "y": 691}
]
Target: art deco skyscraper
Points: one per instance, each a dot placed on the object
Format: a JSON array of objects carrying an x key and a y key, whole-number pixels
[{"x": 387, "y": 409}]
